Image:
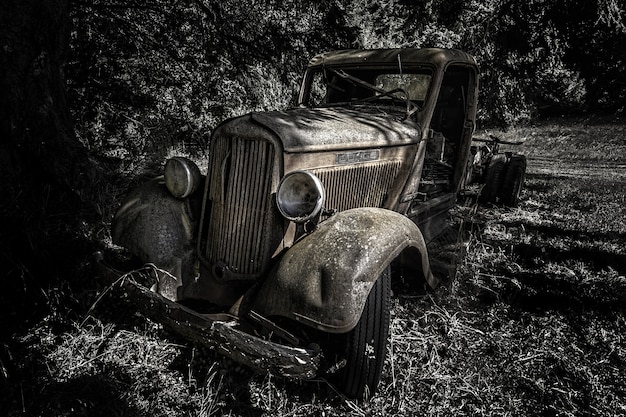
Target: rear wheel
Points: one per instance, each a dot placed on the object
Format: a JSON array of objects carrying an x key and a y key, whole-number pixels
[
  {"x": 364, "y": 348},
  {"x": 513, "y": 181},
  {"x": 494, "y": 178}
]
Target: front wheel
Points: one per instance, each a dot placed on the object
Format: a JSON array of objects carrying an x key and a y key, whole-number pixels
[{"x": 364, "y": 348}]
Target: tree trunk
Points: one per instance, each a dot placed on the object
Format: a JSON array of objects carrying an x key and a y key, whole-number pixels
[
  {"x": 41, "y": 161},
  {"x": 35, "y": 123}
]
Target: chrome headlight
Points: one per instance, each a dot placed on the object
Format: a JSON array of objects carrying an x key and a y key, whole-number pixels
[
  {"x": 300, "y": 196},
  {"x": 182, "y": 176}
]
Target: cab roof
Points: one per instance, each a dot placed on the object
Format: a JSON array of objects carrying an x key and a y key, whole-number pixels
[{"x": 434, "y": 56}]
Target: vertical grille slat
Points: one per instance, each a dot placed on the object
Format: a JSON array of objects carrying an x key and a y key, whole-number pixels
[
  {"x": 241, "y": 200},
  {"x": 253, "y": 206},
  {"x": 263, "y": 185},
  {"x": 241, "y": 177},
  {"x": 363, "y": 185}
]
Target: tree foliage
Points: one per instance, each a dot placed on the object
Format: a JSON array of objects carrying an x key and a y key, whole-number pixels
[
  {"x": 158, "y": 72},
  {"x": 146, "y": 72}
]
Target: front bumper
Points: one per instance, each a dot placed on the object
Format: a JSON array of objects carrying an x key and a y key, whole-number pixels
[{"x": 220, "y": 332}]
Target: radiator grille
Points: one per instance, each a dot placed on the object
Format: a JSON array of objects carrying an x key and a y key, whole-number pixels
[
  {"x": 240, "y": 181},
  {"x": 364, "y": 185}
]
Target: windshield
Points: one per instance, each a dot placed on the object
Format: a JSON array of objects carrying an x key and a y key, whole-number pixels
[{"x": 329, "y": 86}]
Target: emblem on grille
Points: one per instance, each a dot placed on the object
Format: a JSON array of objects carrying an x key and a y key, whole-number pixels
[{"x": 355, "y": 157}]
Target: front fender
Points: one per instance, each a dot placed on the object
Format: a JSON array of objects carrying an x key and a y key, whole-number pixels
[
  {"x": 324, "y": 280},
  {"x": 160, "y": 229}
]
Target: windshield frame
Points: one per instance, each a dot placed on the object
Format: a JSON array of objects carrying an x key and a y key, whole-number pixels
[{"x": 304, "y": 97}]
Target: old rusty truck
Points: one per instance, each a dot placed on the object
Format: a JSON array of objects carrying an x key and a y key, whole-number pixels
[{"x": 281, "y": 254}]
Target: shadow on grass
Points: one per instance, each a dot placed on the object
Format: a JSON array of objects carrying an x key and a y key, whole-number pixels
[
  {"x": 537, "y": 291},
  {"x": 596, "y": 258},
  {"x": 87, "y": 395}
]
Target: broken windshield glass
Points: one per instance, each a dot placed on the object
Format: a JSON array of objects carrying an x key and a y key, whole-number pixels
[{"x": 334, "y": 86}]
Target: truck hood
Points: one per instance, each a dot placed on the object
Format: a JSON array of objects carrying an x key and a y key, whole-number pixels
[{"x": 336, "y": 128}]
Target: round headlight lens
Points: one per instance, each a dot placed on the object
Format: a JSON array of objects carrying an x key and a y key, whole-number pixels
[
  {"x": 300, "y": 196},
  {"x": 182, "y": 176}
]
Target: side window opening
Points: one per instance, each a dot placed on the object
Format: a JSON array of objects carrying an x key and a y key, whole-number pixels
[
  {"x": 450, "y": 111},
  {"x": 447, "y": 124}
]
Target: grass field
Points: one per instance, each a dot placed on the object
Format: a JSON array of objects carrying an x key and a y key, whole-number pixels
[{"x": 532, "y": 323}]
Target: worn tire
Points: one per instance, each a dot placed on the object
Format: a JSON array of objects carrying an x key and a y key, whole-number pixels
[
  {"x": 513, "y": 181},
  {"x": 494, "y": 179},
  {"x": 365, "y": 346}
]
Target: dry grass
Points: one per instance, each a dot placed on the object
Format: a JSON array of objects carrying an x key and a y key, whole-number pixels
[{"x": 532, "y": 323}]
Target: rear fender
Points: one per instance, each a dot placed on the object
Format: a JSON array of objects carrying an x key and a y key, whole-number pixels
[
  {"x": 160, "y": 229},
  {"x": 324, "y": 280}
]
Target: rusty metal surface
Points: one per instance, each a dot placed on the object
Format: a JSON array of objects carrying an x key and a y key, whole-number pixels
[
  {"x": 324, "y": 280},
  {"x": 435, "y": 56},
  {"x": 362, "y": 185},
  {"x": 354, "y": 178},
  {"x": 336, "y": 128},
  {"x": 160, "y": 229}
]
